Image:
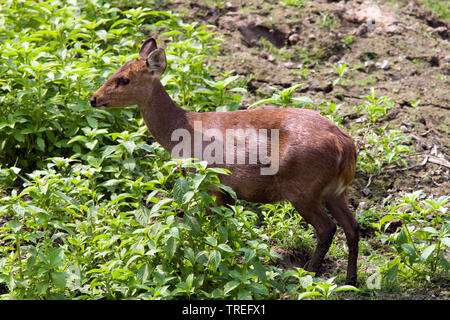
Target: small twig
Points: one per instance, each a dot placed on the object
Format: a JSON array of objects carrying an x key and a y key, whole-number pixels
[
  {"x": 383, "y": 202},
  {"x": 369, "y": 182},
  {"x": 439, "y": 161},
  {"x": 424, "y": 162},
  {"x": 437, "y": 184}
]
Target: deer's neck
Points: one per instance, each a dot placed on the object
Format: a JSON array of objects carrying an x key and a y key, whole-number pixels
[{"x": 162, "y": 116}]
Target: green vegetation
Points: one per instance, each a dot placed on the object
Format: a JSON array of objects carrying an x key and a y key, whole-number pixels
[
  {"x": 439, "y": 7},
  {"x": 293, "y": 3},
  {"x": 285, "y": 98},
  {"x": 341, "y": 70},
  {"x": 91, "y": 207}
]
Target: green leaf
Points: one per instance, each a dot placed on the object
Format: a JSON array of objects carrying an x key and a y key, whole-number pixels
[
  {"x": 102, "y": 34},
  {"x": 230, "y": 285},
  {"x": 189, "y": 254},
  {"x": 428, "y": 251},
  {"x": 59, "y": 279},
  {"x": 387, "y": 218},
  {"x": 9, "y": 280},
  {"x": 409, "y": 248},
  {"x": 55, "y": 257},
  {"x": 91, "y": 144},
  {"x": 129, "y": 164},
  {"x": 346, "y": 288},
  {"x": 392, "y": 273},
  {"x": 189, "y": 281},
  {"x": 180, "y": 187},
  {"x": 93, "y": 123},
  {"x": 430, "y": 230},
  {"x": 42, "y": 288},
  {"x": 14, "y": 225},
  {"x": 19, "y": 137},
  {"x": 259, "y": 270},
  {"x": 142, "y": 215},
  {"x": 197, "y": 181},
  {"x": 219, "y": 171},
  {"x": 187, "y": 197},
  {"x": 19, "y": 210},
  {"x": 259, "y": 289},
  {"x": 40, "y": 144},
  {"x": 306, "y": 281},
  {"x": 170, "y": 247},
  {"x": 248, "y": 254},
  {"x": 160, "y": 203},
  {"x": 225, "y": 247},
  {"x": 75, "y": 139},
  {"x": 223, "y": 233},
  {"x": 446, "y": 241},
  {"x": 121, "y": 274},
  {"x": 193, "y": 222},
  {"x": 130, "y": 146},
  {"x": 227, "y": 189},
  {"x": 211, "y": 241},
  {"x": 244, "y": 295},
  {"x": 402, "y": 238},
  {"x": 307, "y": 294},
  {"x": 214, "y": 259}
]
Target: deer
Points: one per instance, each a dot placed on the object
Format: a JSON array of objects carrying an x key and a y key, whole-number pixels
[{"x": 316, "y": 158}]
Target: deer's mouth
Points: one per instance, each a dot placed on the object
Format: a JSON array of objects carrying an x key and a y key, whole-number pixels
[{"x": 93, "y": 101}]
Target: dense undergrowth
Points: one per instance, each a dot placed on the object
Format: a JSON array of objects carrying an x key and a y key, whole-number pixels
[{"x": 91, "y": 207}]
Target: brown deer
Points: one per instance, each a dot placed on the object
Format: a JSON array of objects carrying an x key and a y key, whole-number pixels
[{"x": 316, "y": 159}]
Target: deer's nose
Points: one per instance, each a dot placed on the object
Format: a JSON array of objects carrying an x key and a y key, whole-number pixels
[{"x": 93, "y": 101}]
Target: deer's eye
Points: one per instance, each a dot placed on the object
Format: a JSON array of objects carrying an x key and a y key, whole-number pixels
[{"x": 123, "y": 81}]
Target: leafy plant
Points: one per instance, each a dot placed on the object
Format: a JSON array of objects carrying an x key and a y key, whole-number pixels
[
  {"x": 349, "y": 40},
  {"x": 331, "y": 111},
  {"x": 382, "y": 148},
  {"x": 285, "y": 98},
  {"x": 282, "y": 222},
  {"x": 421, "y": 241},
  {"x": 325, "y": 289},
  {"x": 341, "y": 70},
  {"x": 375, "y": 107},
  {"x": 293, "y": 3},
  {"x": 327, "y": 20}
]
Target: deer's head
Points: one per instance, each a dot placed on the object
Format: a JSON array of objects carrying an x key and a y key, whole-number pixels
[{"x": 133, "y": 82}]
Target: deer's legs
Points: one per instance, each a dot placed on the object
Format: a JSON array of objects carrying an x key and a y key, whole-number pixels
[
  {"x": 325, "y": 228},
  {"x": 338, "y": 208}
]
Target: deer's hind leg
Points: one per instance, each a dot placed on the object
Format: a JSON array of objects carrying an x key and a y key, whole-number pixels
[
  {"x": 338, "y": 208},
  {"x": 314, "y": 214}
]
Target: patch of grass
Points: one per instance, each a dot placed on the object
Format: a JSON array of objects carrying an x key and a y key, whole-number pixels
[
  {"x": 327, "y": 20},
  {"x": 439, "y": 7},
  {"x": 292, "y": 3}
]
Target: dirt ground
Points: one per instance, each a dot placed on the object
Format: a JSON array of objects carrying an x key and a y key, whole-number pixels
[{"x": 399, "y": 48}]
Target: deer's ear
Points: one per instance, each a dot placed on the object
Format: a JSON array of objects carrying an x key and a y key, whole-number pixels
[
  {"x": 147, "y": 47},
  {"x": 156, "y": 61}
]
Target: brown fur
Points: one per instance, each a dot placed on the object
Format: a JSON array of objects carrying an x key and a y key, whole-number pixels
[{"x": 317, "y": 158}]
